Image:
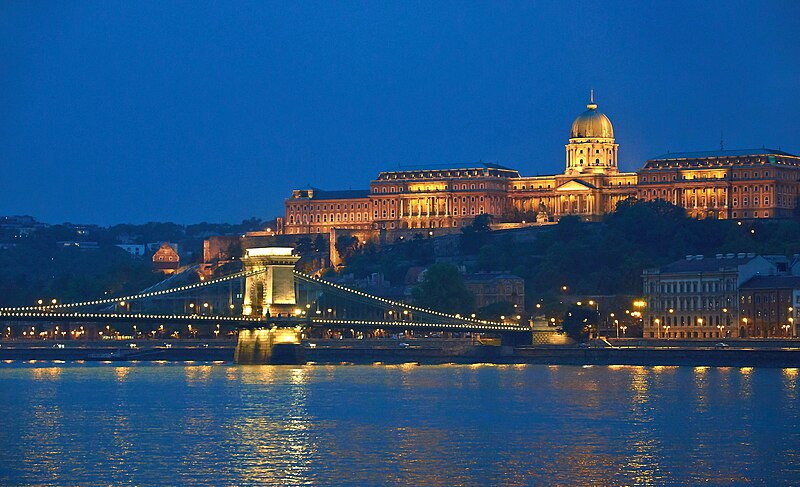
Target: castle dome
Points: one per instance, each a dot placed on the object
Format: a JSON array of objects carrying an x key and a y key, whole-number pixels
[{"x": 592, "y": 123}]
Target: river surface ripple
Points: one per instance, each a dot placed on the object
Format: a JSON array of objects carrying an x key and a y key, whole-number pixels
[{"x": 204, "y": 424}]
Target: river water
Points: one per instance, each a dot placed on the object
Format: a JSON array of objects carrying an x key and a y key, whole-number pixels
[{"x": 221, "y": 424}]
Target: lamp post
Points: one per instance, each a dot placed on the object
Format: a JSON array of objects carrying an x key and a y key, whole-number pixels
[
  {"x": 657, "y": 323},
  {"x": 624, "y": 328},
  {"x": 616, "y": 323}
]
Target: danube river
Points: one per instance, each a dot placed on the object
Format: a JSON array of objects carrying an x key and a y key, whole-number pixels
[{"x": 204, "y": 424}]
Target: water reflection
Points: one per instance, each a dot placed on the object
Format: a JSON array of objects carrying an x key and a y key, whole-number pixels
[{"x": 401, "y": 425}]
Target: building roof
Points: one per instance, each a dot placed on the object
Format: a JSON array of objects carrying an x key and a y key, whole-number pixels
[
  {"x": 721, "y": 153},
  {"x": 772, "y": 282},
  {"x": 706, "y": 264},
  {"x": 440, "y": 167},
  {"x": 321, "y": 194},
  {"x": 489, "y": 276}
]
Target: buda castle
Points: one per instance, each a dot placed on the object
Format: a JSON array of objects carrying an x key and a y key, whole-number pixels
[{"x": 741, "y": 184}]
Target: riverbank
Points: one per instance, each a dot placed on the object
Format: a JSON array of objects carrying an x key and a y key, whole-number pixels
[{"x": 744, "y": 354}]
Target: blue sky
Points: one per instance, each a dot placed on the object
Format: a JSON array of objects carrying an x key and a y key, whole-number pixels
[{"x": 115, "y": 112}]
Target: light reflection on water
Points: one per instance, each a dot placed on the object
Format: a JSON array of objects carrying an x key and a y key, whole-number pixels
[{"x": 177, "y": 424}]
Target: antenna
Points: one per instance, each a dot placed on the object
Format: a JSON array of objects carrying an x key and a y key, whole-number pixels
[
  {"x": 591, "y": 95},
  {"x": 721, "y": 140}
]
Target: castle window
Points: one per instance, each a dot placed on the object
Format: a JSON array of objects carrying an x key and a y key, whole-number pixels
[
  {"x": 581, "y": 162},
  {"x": 597, "y": 161}
]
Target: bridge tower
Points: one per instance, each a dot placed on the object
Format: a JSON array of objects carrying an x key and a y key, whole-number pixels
[{"x": 271, "y": 292}]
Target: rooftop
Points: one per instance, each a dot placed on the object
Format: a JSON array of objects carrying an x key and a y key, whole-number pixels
[
  {"x": 450, "y": 167},
  {"x": 722, "y": 153},
  {"x": 772, "y": 282},
  {"x": 699, "y": 263},
  {"x": 321, "y": 194}
]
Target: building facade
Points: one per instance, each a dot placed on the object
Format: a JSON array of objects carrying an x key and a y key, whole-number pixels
[
  {"x": 702, "y": 297},
  {"x": 489, "y": 288},
  {"x": 725, "y": 184},
  {"x": 761, "y": 183},
  {"x": 166, "y": 259},
  {"x": 768, "y": 307}
]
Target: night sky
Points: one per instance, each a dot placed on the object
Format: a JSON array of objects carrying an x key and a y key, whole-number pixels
[{"x": 128, "y": 112}]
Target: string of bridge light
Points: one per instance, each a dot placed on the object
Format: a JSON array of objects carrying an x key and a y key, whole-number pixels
[
  {"x": 396, "y": 303},
  {"x": 406, "y": 324},
  {"x": 128, "y": 317},
  {"x": 134, "y": 297}
]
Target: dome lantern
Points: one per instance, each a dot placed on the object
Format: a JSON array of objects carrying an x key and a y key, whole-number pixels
[{"x": 592, "y": 123}]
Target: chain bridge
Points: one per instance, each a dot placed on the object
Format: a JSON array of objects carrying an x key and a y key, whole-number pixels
[{"x": 270, "y": 303}]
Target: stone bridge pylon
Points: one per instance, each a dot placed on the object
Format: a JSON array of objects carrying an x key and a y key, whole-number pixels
[{"x": 269, "y": 292}]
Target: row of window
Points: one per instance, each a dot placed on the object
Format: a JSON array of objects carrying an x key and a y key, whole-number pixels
[
  {"x": 680, "y": 287},
  {"x": 744, "y": 175},
  {"x": 400, "y": 189}
]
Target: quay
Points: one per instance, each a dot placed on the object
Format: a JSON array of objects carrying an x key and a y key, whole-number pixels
[{"x": 745, "y": 353}]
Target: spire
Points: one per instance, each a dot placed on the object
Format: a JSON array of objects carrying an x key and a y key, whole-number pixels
[{"x": 592, "y": 105}]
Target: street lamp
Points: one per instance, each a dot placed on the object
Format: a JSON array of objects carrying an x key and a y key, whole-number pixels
[{"x": 657, "y": 323}]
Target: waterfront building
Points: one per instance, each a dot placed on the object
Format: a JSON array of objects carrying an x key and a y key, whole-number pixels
[
  {"x": 769, "y": 306},
  {"x": 699, "y": 297},
  {"x": 744, "y": 184}
]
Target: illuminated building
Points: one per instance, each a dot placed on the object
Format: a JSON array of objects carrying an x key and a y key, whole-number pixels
[
  {"x": 701, "y": 297},
  {"x": 724, "y": 184},
  {"x": 166, "y": 259},
  {"x": 759, "y": 183}
]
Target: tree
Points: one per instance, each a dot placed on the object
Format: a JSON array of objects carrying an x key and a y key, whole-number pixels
[
  {"x": 346, "y": 247},
  {"x": 494, "y": 311},
  {"x": 578, "y": 322},
  {"x": 476, "y": 235},
  {"x": 319, "y": 244},
  {"x": 443, "y": 289},
  {"x": 303, "y": 246}
]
